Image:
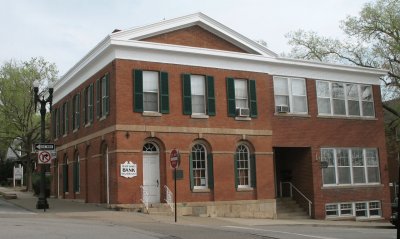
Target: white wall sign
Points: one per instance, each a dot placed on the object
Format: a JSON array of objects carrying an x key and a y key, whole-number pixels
[{"x": 128, "y": 170}]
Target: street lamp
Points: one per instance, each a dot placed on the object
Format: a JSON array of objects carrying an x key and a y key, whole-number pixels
[{"x": 42, "y": 201}]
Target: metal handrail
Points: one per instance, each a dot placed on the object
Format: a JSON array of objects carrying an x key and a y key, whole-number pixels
[
  {"x": 291, "y": 194},
  {"x": 145, "y": 197},
  {"x": 169, "y": 197}
]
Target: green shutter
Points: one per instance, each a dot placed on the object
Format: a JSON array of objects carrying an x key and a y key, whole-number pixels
[
  {"x": 98, "y": 98},
  {"x": 210, "y": 171},
  {"x": 67, "y": 116},
  {"x": 84, "y": 107},
  {"x": 230, "y": 93},
  {"x": 53, "y": 123},
  {"x": 187, "y": 94},
  {"x": 253, "y": 170},
  {"x": 253, "y": 98},
  {"x": 78, "y": 116},
  {"x": 210, "y": 96},
  {"x": 75, "y": 176},
  {"x": 164, "y": 93},
  {"x": 191, "y": 172},
  {"x": 91, "y": 103},
  {"x": 65, "y": 177},
  {"x": 138, "y": 91},
  {"x": 107, "y": 100},
  {"x": 235, "y": 162}
]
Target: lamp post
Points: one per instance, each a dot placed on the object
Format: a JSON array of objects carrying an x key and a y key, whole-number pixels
[{"x": 42, "y": 201}]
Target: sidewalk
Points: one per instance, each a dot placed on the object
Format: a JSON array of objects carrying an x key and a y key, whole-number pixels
[{"x": 76, "y": 209}]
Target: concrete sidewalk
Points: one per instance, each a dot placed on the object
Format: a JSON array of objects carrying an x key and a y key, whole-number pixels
[{"x": 77, "y": 209}]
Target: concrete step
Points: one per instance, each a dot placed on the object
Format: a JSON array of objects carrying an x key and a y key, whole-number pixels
[
  {"x": 288, "y": 208},
  {"x": 159, "y": 209}
]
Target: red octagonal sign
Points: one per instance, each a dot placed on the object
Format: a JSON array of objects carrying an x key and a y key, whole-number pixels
[{"x": 174, "y": 158}]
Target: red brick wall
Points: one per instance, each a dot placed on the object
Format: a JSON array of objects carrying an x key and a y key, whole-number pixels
[{"x": 194, "y": 36}]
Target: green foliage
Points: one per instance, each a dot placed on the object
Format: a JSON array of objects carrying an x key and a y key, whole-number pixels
[
  {"x": 6, "y": 171},
  {"x": 372, "y": 40},
  {"x": 36, "y": 184}
]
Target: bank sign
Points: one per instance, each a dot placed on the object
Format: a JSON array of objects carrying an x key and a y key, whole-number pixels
[{"x": 128, "y": 170}]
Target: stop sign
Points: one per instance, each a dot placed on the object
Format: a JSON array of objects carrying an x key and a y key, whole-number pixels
[{"x": 174, "y": 158}]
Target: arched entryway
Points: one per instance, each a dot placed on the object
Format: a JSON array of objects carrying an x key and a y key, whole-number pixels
[{"x": 151, "y": 172}]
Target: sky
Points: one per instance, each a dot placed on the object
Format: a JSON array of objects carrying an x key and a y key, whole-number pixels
[{"x": 63, "y": 31}]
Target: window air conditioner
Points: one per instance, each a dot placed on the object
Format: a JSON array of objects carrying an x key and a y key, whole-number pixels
[
  {"x": 282, "y": 109},
  {"x": 242, "y": 112}
]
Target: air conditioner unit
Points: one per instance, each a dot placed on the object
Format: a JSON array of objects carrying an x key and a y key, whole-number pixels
[
  {"x": 242, "y": 112},
  {"x": 282, "y": 109}
]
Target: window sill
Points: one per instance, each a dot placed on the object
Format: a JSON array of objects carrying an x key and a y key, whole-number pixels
[
  {"x": 152, "y": 114},
  {"x": 102, "y": 118},
  {"x": 65, "y": 135},
  {"x": 242, "y": 118},
  {"x": 88, "y": 125},
  {"x": 346, "y": 117},
  {"x": 352, "y": 186},
  {"x": 74, "y": 131},
  {"x": 292, "y": 115},
  {"x": 200, "y": 116},
  {"x": 247, "y": 189},
  {"x": 205, "y": 190}
]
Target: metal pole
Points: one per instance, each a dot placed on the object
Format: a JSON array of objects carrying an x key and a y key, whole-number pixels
[{"x": 175, "y": 195}]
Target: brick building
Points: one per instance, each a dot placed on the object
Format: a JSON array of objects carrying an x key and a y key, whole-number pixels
[{"x": 250, "y": 126}]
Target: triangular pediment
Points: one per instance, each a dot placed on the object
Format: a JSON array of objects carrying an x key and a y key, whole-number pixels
[{"x": 195, "y": 30}]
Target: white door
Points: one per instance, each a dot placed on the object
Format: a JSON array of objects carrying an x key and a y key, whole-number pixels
[{"x": 151, "y": 177}]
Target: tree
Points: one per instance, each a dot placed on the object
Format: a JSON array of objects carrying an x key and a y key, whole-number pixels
[
  {"x": 372, "y": 40},
  {"x": 20, "y": 121}
]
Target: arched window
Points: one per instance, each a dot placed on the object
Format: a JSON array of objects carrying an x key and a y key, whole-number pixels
[
  {"x": 150, "y": 148},
  {"x": 244, "y": 167},
  {"x": 198, "y": 167},
  {"x": 76, "y": 172}
]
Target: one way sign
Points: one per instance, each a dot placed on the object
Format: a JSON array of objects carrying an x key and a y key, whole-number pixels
[{"x": 45, "y": 147}]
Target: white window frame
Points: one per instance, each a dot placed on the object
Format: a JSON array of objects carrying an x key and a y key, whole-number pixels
[
  {"x": 246, "y": 90},
  {"x": 354, "y": 209},
  {"x": 152, "y": 92},
  {"x": 346, "y": 99},
  {"x": 205, "y": 186},
  {"x": 365, "y": 167},
  {"x": 203, "y": 79},
  {"x": 239, "y": 152},
  {"x": 291, "y": 94}
]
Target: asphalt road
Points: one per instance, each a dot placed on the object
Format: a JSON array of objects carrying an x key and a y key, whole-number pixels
[{"x": 18, "y": 223}]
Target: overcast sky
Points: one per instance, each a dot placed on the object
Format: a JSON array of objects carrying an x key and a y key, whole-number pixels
[{"x": 63, "y": 31}]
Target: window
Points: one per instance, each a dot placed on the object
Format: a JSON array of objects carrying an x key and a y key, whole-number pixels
[
  {"x": 244, "y": 168},
  {"x": 89, "y": 104},
  {"x": 54, "y": 123},
  {"x": 65, "y": 118},
  {"x": 76, "y": 106},
  {"x": 76, "y": 173},
  {"x": 350, "y": 166},
  {"x": 290, "y": 93},
  {"x": 102, "y": 97},
  {"x": 345, "y": 99},
  {"x": 354, "y": 209},
  {"x": 242, "y": 98},
  {"x": 201, "y": 168},
  {"x": 151, "y": 93},
  {"x": 65, "y": 175},
  {"x": 198, "y": 95},
  {"x": 58, "y": 122}
]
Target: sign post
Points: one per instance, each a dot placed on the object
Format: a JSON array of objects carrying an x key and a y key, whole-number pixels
[{"x": 174, "y": 159}]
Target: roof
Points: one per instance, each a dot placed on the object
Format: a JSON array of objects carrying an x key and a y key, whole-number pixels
[{"x": 129, "y": 44}]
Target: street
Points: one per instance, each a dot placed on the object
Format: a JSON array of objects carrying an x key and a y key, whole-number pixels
[{"x": 18, "y": 223}]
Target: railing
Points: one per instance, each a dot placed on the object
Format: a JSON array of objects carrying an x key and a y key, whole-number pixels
[
  {"x": 145, "y": 197},
  {"x": 169, "y": 197},
  {"x": 298, "y": 191}
]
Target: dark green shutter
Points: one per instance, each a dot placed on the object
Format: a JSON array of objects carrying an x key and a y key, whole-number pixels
[
  {"x": 98, "y": 98},
  {"x": 230, "y": 92},
  {"x": 235, "y": 167},
  {"x": 187, "y": 94},
  {"x": 253, "y": 170},
  {"x": 75, "y": 176},
  {"x": 78, "y": 109},
  {"x": 53, "y": 123},
  {"x": 164, "y": 93},
  {"x": 191, "y": 171},
  {"x": 84, "y": 107},
  {"x": 210, "y": 96},
  {"x": 138, "y": 91},
  {"x": 91, "y": 103},
  {"x": 210, "y": 171},
  {"x": 107, "y": 94},
  {"x": 67, "y": 104},
  {"x": 65, "y": 177},
  {"x": 253, "y": 98}
]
